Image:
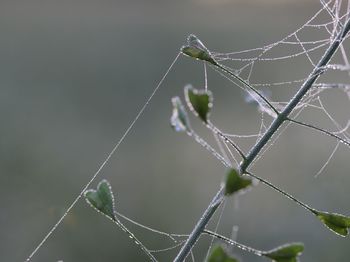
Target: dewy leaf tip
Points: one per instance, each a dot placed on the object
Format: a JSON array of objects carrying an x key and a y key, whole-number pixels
[
  {"x": 199, "y": 101},
  {"x": 196, "y": 49},
  {"x": 179, "y": 119},
  {"x": 102, "y": 199},
  {"x": 337, "y": 223},
  {"x": 286, "y": 253}
]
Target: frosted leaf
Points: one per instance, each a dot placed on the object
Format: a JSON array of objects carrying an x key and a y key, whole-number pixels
[
  {"x": 196, "y": 49},
  {"x": 338, "y": 223},
  {"x": 253, "y": 98},
  {"x": 102, "y": 199},
  {"x": 285, "y": 253},
  {"x": 199, "y": 101},
  {"x": 179, "y": 119},
  {"x": 235, "y": 183}
]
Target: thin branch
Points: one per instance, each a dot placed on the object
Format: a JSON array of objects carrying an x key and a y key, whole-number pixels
[
  {"x": 200, "y": 226},
  {"x": 228, "y": 71},
  {"x": 284, "y": 193},
  {"x": 321, "y": 130},
  {"x": 332, "y": 85},
  {"x": 234, "y": 243}
]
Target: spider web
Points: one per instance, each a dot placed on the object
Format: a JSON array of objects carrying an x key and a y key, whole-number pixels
[
  {"x": 305, "y": 46},
  {"x": 295, "y": 47}
]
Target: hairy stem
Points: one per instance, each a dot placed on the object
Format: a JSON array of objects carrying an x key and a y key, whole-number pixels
[{"x": 281, "y": 117}]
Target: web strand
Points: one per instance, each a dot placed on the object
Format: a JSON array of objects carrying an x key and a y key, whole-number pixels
[{"x": 104, "y": 162}]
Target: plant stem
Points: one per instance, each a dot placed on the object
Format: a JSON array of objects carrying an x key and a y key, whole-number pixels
[
  {"x": 281, "y": 117},
  {"x": 342, "y": 140},
  {"x": 234, "y": 243},
  {"x": 226, "y": 70},
  {"x": 284, "y": 193},
  {"x": 200, "y": 226}
]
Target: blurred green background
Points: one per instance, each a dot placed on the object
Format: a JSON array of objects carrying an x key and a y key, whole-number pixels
[{"x": 73, "y": 74}]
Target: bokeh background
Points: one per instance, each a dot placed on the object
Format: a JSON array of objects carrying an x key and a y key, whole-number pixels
[{"x": 73, "y": 75}]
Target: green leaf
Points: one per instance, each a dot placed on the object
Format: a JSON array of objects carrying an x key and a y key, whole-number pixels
[
  {"x": 234, "y": 182},
  {"x": 285, "y": 253},
  {"x": 218, "y": 254},
  {"x": 179, "y": 119},
  {"x": 338, "y": 223},
  {"x": 199, "y": 101},
  {"x": 102, "y": 199},
  {"x": 196, "y": 49}
]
